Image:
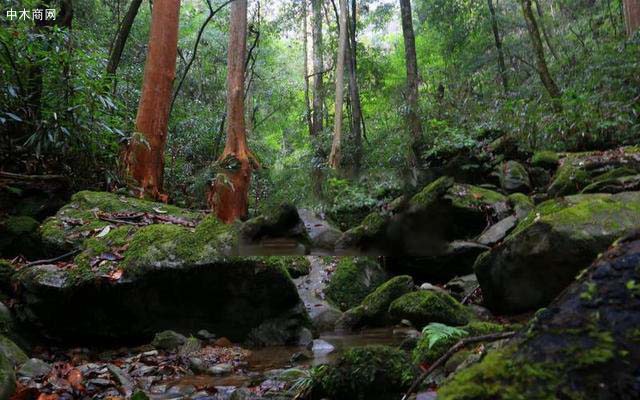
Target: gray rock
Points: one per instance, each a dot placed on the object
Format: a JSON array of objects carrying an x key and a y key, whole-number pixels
[
  {"x": 12, "y": 352},
  {"x": 320, "y": 346},
  {"x": 34, "y": 368},
  {"x": 428, "y": 286},
  {"x": 514, "y": 177},
  {"x": 498, "y": 231},
  {"x": 221, "y": 369},
  {"x": 205, "y": 335},
  {"x": 326, "y": 319},
  {"x": 304, "y": 337}
]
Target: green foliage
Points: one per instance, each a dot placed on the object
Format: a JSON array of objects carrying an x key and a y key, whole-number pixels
[{"x": 436, "y": 332}]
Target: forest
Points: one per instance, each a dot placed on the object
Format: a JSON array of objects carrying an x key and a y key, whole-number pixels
[{"x": 320, "y": 199}]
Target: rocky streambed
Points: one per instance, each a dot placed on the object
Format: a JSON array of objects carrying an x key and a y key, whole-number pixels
[{"x": 136, "y": 299}]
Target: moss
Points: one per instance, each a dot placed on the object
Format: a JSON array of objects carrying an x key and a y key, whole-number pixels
[
  {"x": 469, "y": 196},
  {"x": 426, "y": 306},
  {"x": 353, "y": 279},
  {"x": 499, "y": 376},
  {"x": 513, "y": 177},
  {"x": 296, "y": 266},
  {"x": 431, "y": 193},
  {"x": 568, "y": 179},
  {"x": 11, "y": 351},
  {"x": 615, "y": 173},
  {"x": 612, "y": 212},
  {"x": 601, "y": 351},
  {"x": 21, "y": 225},
  {"x": 370, "y": 372},
  {"x": 376, "y": 304},
  {"x": 545, "y": 159}
]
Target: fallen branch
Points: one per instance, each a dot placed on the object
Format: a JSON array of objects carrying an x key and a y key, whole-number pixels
[
  {"x": 52, "y": 260},
  {"x": 20, "y": 177},
  {"x": 115, "y": 221},
  {"x": 461, "y": 343},
  {"x": 467, "y": 297}
]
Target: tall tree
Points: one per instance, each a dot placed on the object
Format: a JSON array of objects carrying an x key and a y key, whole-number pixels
[
  {"x": 538, "y": 50},
  {"x": 318, "y": 65},
  {"x": 413, "y": 79},
  {"x": 305, "y": 49},
  {"x": 498, "y": 42},
  {"x": 632, "y": 16},
  {"x": 357, "y": 120},
  {"x": 144, "y": 158},
  {"x": 336, "y": 146},
  {"x": 544, "y": 31},
  {"x": 122, "y": 35},
  {"x": 230, "y": 192}
]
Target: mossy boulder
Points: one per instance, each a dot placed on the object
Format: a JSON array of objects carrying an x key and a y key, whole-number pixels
[
  {"x": 77, "y": 220},
  {"x": 548, "y": 248},
  {"x": 353, "y": 279},
  {"x": 19, "y": 236},
  {"x": 131, "y": 281},
  {"x": 614, "y": 185},
  {"x": 369, "y": 372},
  {"x": 514, "y": 177},
  {"x": 282, "y": 223},
  {"x": 297, "y": 266},
  {"x": 585, "y": 345},
  {"x": 425, "y": 306},
  {"x": 12, "y": 351},
  {"x": 427, "y": 353},
  {"x": 442, "y": 212},
  {"x": 545, "y": 159},
  {"x": 579, "y": 170},
  {"x": 374, "y": 309}
]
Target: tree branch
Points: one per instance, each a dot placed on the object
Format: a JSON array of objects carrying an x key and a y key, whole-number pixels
[{"x": 463, "y": 342}]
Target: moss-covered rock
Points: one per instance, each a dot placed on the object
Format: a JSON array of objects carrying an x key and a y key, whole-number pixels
[
  {"x": 12, "y": 351},
  {"x": 281, "y": 223},
  {"x": 19, "y": 236},
  {"x": 426, "y": 306},
  {"x": 614, "y": 185},
  {"x": 548, "y": 248},
  {"x": 545, "y": 159},
  {"x": 443, "y": 211},
  {"x": 297, "y": 266},
  {"x": 578, "y": 170},
  {"x": 424, "y": 353},
  {"x": 374, "y": 309},
  {"x": 514, "y": 177},
  {"x": 131, "y": 281},
  {"x": 521, "y": 204},
  {"x": 584, "y": 346},
  {"x": 353, "y": 279},
  {"x": 370, "y": 372}
]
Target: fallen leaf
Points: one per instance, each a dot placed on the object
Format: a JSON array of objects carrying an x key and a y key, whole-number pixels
[
  {"x": 116, "y": 275},
  {"x": 104, "y": 232}
]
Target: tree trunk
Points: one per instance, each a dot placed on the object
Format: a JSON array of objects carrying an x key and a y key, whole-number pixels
[
  {"x": 632, "y": 16},
  {"x": 538, "y": 49},
  {"x": 413, "y": 80},
  {"x": 354, "y": 92},
  {"x": 336, "y": 147},
  {"x": 229, "y": 196},
  {"x": 544, "y": 32},
  {"x": 318, "y": 65},
  {"x": 305, "y": 47},
  {"x": 144, "y": 158},
  {"x": 498, "y": 42},
  {"x": 122, "y": 35}
]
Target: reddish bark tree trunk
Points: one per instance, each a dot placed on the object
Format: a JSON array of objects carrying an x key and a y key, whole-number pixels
[
  {"x": 144, "y": 158},
  {"x": 230, "y": 192}
]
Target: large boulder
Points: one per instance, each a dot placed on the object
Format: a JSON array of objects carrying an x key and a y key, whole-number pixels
[
  {"x": 369, "y": 372},
  {"x": 282, "y": 224},
  {"x": 579, "y": 170},
  {"x": 425, "y": 306},
  {"x": 353, "y": 279},
  {"x": 7, "y": 378},
  {"x": 548, "y": 248},
  {"x": 443, "y": 211},
  {"x": 162, "y": 268},
  {"x": 374, "y": 309},
  {"x": 585, "y": 345},
  {"x": 514, "y": 177}
]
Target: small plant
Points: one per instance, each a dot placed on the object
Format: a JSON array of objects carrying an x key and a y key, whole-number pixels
[
  {"x": 435, "y": 332},
  {"x": 303, "y": 386}
]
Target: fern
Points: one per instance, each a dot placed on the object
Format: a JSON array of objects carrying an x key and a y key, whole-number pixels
[{"x": 436, "y": 332}]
